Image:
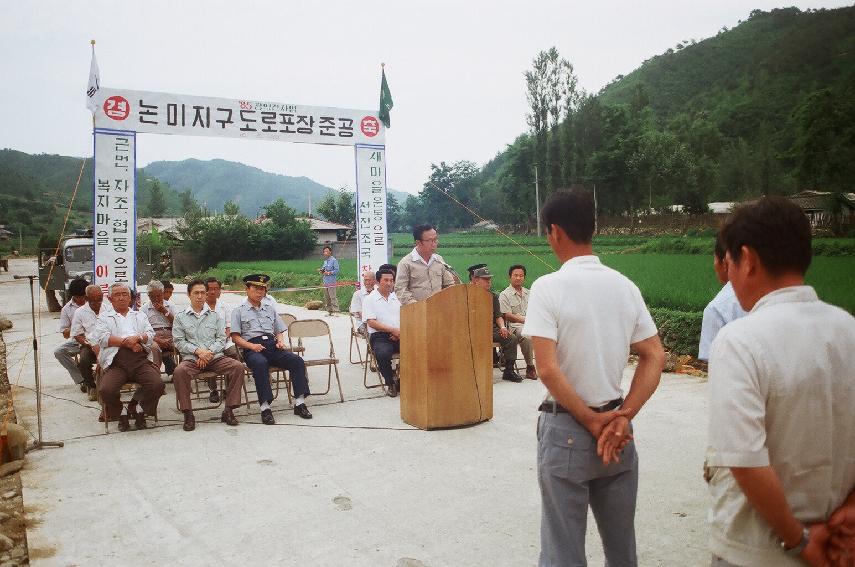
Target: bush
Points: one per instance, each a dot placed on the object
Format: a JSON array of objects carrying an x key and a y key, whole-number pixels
[
  {"x": 680, "y": 330},
  {"x": 834, "y": 247}
]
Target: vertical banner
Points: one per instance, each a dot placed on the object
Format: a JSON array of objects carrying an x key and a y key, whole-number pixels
[
  {"x": 115, "y": 220},
  {"x": 371, "y": 232}
]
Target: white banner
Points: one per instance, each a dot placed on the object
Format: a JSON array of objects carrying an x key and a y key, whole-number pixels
[
  {"x": 166, "y": 113},
  {"x": 115, "y": 219},
  {"x": 371, "y": 207}
]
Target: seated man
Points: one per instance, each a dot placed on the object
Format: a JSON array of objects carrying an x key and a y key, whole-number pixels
[
  {"x": 513, "y": 301},
  {"x": 368, "y": 281},
  {"x": 167, "y": 292},
  {"x": 382, "y": 314},
  {"x": 160, "y": 312},
  {"x": 481, "y": 277},
  {"x": 70, "y": 348},
  {"x": 215, "y": 289},
  {"x": 82, "y": 329},
  {"x": 200, "y": 335},
  {"x": 257, "y": 330},
  {"x": 124, "y": 337}
]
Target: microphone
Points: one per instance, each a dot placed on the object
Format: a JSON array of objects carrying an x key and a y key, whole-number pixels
[{"x": 450, "y": 269}]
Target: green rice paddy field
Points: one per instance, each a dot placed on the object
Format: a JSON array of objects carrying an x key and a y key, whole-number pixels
[{"x": 683, "y": 281}]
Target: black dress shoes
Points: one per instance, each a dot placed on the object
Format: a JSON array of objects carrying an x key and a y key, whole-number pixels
[
  {"x": 511, "y": 376},
  {"x": 124, "y": 424},
  {"x": 302, "y": 411},
  {"x": 392, "y": 391},
  {"x": 189, "y": 420},
  {"x": 214, "y": 398},
  {"x": 229, "y": 418},
  {"x": 139, "y": 421},
  {"x": 267, "y": 417}
]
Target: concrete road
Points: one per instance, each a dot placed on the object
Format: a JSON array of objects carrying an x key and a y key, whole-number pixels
[{"x": 353, "y": 486}]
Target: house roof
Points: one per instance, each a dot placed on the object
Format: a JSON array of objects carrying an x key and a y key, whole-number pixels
[
  {"x": 816, "y": 200},
  {"x": 318, "y": 224}
]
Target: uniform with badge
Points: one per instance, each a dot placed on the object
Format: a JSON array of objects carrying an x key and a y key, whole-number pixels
[{"x": 255, "y": 322}]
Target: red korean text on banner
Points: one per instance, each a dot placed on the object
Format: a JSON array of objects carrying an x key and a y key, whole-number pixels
[
  {"x": 370, "y": 126},
  {"x": 117, "y": 107}
]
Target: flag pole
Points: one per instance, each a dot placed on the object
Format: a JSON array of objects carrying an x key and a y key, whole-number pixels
[{"x": 92, "y": 43}]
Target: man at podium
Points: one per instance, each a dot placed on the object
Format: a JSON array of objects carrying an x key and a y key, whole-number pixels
[{"x": 422, "y": 272}]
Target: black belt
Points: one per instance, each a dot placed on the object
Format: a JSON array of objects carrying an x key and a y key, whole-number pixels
[
  {"x": 261, "y": 339},
  {"x": 555, "y": 407}
]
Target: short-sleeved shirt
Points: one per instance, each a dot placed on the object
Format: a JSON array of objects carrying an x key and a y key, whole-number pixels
[
  {"x": 225, "y": 314},
  {"x": 782, "y": 393},
  {"x": 66, "y": 315},
  {"x": 515, "y": 303},
  {"x": 357, "y": 300},
  {"x": 594, "y": 314},
  {"x": 252, "y": 322},
  {"x": 157, "y": 319},
  {"x": 723, "y": 309},
  {"x": 385, "y": 310},
  {"x": 83, "y": 323}
]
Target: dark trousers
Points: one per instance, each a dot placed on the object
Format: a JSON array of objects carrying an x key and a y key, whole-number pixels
[
  {"x": 384, "y": 347},
  {"x": 508, "y": 346},
  {"x": 130, "y": 366},
  {"x": 260, "y": 362},
  {"x": 86, "y": 364}
]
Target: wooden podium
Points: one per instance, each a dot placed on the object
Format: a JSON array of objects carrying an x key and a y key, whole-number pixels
[{"x": 446, "y": 359}]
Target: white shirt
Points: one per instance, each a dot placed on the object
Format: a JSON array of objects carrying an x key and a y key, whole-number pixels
[
  {"x": 723, "y": 309},
  {"x": 358, "y": 299},
  {"x": 83, "y": 323},
  {"x": 593, "y": 313},
  {"x": 112, "y": 323},
  {"x": 514, "y": 302},
  {"x": 226, "y": 315},
  {"x": 67, "y": 314},
  {"x": 782, "y": 393},
  {"x": 386, "y": 310}
]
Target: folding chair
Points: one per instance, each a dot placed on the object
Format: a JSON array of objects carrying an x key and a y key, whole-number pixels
[
  {"x": 276, "y": 376},
  {"x": 355, "y": 336},
  {"x": 311, "y": 328},
  {"x": 371, "y": 362},
  {"x": 199, "y": 394}
]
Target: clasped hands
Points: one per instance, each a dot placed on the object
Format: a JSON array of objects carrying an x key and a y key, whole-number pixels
[
  {"x": 612, "y": 432},
  {"x": 134, "y": 342},
  {"x": 832, "y": 544}
]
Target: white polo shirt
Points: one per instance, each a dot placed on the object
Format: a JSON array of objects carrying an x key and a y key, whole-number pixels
[
  {"x": 386, "y": 310},
  {"x": 83, "y": 322},
  {"x": 225, "y": 314},
  {"x": 358, "y": 299},
  {"x": 67, "y": 314},
  {"x": 782, "y": 393},
  {"x": 593, "y": 313}
]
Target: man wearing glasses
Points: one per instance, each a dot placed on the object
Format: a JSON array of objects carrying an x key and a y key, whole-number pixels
[{"x": 422, "y": 272}]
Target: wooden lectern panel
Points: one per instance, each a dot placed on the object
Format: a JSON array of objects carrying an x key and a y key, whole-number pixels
[{"x": 446, "y": 359}]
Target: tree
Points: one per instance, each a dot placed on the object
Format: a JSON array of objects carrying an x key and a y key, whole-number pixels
[
  {"x": 450, "y": 191},
  {"x": 338, "y": 207},
  {"x": 156, "y": 201},
  {"x": 394, "y": 215},
  {"x": 231, "y": 208},
  {"x": 189, "y": 204}
]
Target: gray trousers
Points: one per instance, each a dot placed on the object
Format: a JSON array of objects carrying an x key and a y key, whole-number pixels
[
  {"x": 65, "y": 354},
  {"x": 331, "y": 299},
  {"x": 572, "y": 477}
]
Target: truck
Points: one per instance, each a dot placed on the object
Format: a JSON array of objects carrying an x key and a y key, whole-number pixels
[{"x": 76, "y": 259}]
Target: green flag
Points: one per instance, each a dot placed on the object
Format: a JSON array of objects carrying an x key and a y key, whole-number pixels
[{"x": 386, "y": 103}]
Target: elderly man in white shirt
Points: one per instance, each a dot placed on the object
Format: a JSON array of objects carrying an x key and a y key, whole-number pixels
[
  {"x": 382, "y": 313},
  {"x": 369, "y": 280},
  {"x": 66, "y": 352},
  {"x": 723, "y": 308},
  {"x": 82, "y": 329},
  {"x": 782, "y": 393},
  {"x": 422, "y": 272},
  {"x": 125, "y": 338},
  {"x": 583, "y": 320}
]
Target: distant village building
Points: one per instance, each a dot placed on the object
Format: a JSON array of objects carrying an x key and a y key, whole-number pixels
[
  {"x": 818, "y": 206},
  {"x": 163, "y": 225},
  {"x": 721, "y": 207},
  {"x": 5, "y": 234},
  {"x": 328, "y": 231}
]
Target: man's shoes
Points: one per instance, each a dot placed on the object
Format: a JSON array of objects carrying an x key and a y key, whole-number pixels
[
  {"x": 93, "y": 394},
  {"x": 302, "y": 411},
  {"x": 132, "y": 409},
  {"x": 124, "y": 425},
  {"x": 511, "y": 376},
  {"x": 139, "y": 421},
  {"x": 531, "y": 372},
  {"x": 267, "y": 417},
  {"x": 82, "y": 387},
  {"x": 189, "y": 420},
  {"x": 229, "y": 418},
  {"x": 392, "y": 391},
  {"x": 214, "y": 398}
]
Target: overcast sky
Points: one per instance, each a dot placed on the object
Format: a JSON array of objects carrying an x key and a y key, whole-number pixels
[{"x": 455, "y": 68}]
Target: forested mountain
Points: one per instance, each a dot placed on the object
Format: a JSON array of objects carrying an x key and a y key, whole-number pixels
[{"x": 765, "y": 107}]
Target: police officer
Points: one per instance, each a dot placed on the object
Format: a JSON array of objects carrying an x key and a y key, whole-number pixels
[{"x": 257, "y": 330}]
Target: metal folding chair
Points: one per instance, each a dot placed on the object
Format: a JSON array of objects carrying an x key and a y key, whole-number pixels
[
  {"x": 355, "y": 337},
  {"x": 371, "y": 362},
  {"x": 125, "y": 395},
  {"x": 316, "y": 328}
]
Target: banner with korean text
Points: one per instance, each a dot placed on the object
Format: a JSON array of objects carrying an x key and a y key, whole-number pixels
[
  {"x": 166, "y": 113},
  {"x": 371, "y": 231},
  {"x": 114, "y": 222}
]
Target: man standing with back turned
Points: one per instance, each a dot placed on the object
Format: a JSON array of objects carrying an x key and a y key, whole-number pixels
[
  {"x": 583, "y": 319},
  {"x": 782, "y": 391}
]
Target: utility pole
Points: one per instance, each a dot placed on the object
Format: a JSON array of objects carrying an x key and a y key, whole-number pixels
[
  {"x": 21, "y": 240},
  {"x": 596, "y": 212},
  {"x": 537, "y": 200}
]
